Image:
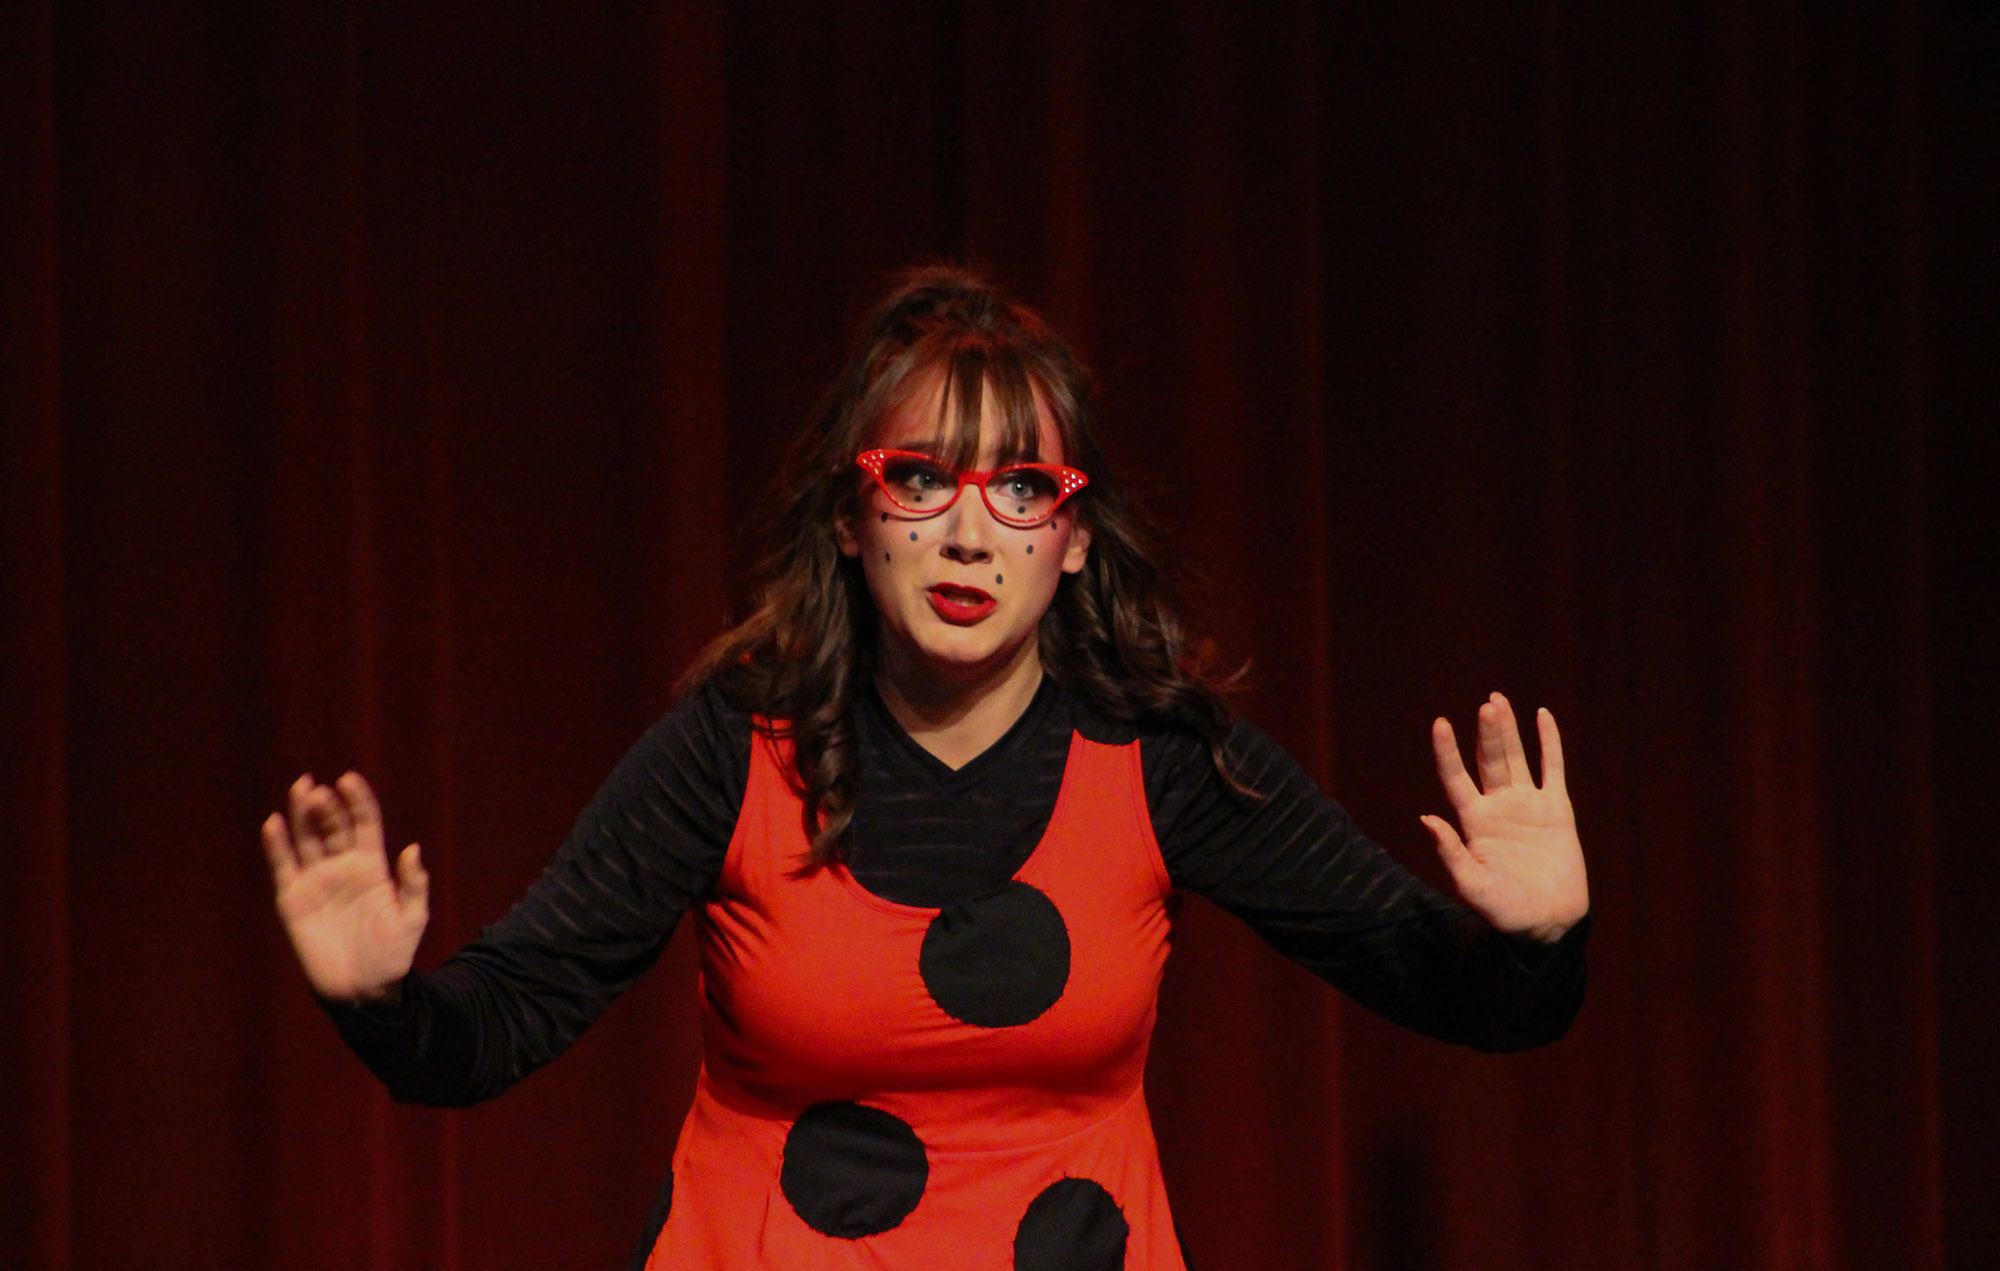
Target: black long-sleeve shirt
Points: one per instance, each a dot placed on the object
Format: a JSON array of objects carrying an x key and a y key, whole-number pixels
[{"x": 651, "y": 845}]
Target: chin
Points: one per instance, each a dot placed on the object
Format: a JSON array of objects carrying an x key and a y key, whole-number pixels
[
  {"x": 961, "y": 650},
  {"x": 958, "y": 655}
]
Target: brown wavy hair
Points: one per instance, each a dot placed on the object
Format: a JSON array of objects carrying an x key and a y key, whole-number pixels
[{"x": 1112, "y": 633}]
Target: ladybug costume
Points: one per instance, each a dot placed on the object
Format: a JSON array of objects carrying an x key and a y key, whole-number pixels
[{"x": 932, "y": 1054}]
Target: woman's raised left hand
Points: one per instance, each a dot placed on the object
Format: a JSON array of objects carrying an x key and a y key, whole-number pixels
[{"x": 1519, "y": 863}]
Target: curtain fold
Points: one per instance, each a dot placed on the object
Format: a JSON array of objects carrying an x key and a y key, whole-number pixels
[{"x": 35, "y": 933}]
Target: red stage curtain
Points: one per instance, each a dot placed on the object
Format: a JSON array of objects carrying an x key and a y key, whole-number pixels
[{"x": 390, "y": 387}]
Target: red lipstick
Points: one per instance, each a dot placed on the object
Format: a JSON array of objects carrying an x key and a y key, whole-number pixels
[{"x": 961, "y": 605}]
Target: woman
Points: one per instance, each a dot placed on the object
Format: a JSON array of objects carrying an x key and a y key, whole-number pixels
[{"x": 931, "y": 803}]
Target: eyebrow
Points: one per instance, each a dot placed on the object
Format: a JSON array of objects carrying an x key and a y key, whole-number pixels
[{"x": 930, "y": 452}]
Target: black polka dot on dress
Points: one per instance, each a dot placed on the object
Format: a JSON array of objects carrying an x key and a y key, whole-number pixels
[
  {"x": 1074, "y": 1225},
  {"x": 851, "y": 1170},
  {"x": 998, "y": 961}
]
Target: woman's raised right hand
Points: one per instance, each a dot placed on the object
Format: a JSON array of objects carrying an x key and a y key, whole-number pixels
[{"x": 353, "y": 923}]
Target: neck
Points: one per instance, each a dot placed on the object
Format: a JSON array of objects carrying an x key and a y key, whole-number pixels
[{"x": 956, "y": 717}]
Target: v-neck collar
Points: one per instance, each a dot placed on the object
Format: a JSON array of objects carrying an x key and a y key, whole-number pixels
[{"x": 970, "y": 772}]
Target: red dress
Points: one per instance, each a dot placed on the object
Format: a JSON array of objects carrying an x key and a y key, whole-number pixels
[{"x": 888, "y": 1086}]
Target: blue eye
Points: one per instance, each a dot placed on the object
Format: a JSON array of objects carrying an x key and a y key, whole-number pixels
[
  {"x": 1022, "y": 496},
  {"x": 1023, "y": 485},
  {"x": 917, "y": 475}
]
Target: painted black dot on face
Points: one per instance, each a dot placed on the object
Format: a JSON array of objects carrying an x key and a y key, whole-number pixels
[
  {"x": 1031, "y": 549},
  {"x": 851, "y": 1170},
  {"x": 1020, "y": 511},
  {"x": 998, "y": 961},
  {"x": 885, "y": 556},
  {"x": 885, "y": 516},
  {"x": 997, "y": 578},
  {"x": 913, "y": 536},
  {"x": 1074, "y": 1225}
]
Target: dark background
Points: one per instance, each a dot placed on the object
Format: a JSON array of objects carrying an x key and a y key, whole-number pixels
[{"x": 389, "y": 387}]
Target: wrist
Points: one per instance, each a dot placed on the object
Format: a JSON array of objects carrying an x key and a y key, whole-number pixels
[
  {"x": 1552, "y": 932},
  {"x": 388, "y": 995}
]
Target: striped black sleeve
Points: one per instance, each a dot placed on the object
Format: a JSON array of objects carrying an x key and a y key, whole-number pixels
[
  {"x": 1295, "y": 868},
  {"x": 650, "y": 844}
]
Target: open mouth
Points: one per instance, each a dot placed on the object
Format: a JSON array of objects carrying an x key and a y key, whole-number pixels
[{"x": 958, "y": 604}]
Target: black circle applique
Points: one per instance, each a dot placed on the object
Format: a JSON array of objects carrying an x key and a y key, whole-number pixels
[
  {"x": 1074, "y": 1225},
  {"x": 997, "y": 961},
  {"x": 851, "y": 1170}
]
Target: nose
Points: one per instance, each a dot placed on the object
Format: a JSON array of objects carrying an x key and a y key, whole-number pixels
[{"x": 968, "y": 527}]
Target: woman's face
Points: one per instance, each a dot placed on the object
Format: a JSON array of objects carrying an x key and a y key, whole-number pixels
[{"x": 959, "y": 595}]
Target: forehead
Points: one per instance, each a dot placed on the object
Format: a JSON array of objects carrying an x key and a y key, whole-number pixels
[{"x": 923, "y": 420}]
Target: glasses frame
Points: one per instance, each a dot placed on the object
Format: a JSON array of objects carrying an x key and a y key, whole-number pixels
[{"x": 1068, "y": 481}]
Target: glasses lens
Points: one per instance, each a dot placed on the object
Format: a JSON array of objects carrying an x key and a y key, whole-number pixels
[
  {"x": 1023, "y": 495},
  {"x": 918, "y": 485}
]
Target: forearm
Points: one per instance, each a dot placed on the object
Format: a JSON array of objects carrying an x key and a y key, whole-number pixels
[
  {"x": 647, "y": 848},
  {"x": 1294, "y": 867},
  {"x": 488, "y": 1017},
  {"x": 1446, "y": 973},
  {"x": 400, "y": 1041}
]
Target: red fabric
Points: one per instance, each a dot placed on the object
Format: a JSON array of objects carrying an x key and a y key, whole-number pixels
[
  {"x": 394, "y": 386},
  {"x": 811, "y": 992}
]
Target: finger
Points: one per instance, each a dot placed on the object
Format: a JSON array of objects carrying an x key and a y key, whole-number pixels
[
  {"x": 326, "y": 812},
  {"x": 1552, "y": 751},
  {"x": 1510, "y": 742},
  {"x": 1491, "y": 750},
  {"x": 305, "y": 838},
  {"x": 1457, "y": 781},
  {"x": 413, "y": 882},
  {"x": 278, "y": 851},
  {"x": 363, "y": 812},
  {"x": 1451, "y": 849}
]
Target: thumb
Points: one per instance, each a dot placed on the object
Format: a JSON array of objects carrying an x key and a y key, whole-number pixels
[
  {"x": 1451, "y": 848},
  {"x": 413, "y": 883}
]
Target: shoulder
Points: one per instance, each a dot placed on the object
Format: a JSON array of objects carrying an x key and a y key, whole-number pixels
[
  {"x": 1174, "y": 754},
  {"x": 706, "y": 713},
  {"x": 665, "y": 814},
  {"x": 703, "y": 739}
]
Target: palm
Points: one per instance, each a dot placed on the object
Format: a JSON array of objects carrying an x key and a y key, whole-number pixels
[
  {"x": 353, "y": 923},
  {"x": 1520, "y": 863}
]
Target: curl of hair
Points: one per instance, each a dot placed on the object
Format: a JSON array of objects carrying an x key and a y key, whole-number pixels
[{"x": 1112, "y": 633}]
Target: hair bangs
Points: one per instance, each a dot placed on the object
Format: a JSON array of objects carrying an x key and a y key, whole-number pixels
[
  {"x": 982, "y": 383},
  {"x": 961, "y": 402},
  {"x": 1015, "y": 408},
  {"x": 975, "y": 382}
]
